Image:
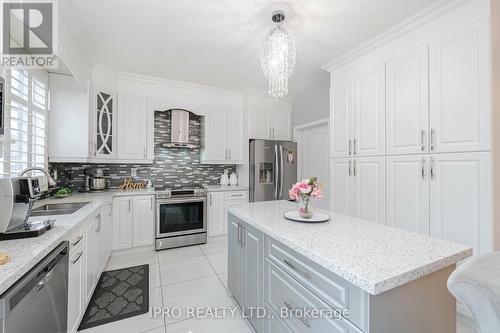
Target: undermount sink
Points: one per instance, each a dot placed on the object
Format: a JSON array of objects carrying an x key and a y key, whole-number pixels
[{"x": 58, "y": 209}]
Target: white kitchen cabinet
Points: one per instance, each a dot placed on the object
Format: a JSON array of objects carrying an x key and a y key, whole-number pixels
[
  {"x": 235, "y": 137},
  {"x": 368, "y": 174},
  {"x": 103, "y": 124},
  {"x": 369, "y": 112},
  {"x": 122, "y": 223},
  {"x": 358, "y": 114},
  {"x": 342, "y": 190},
  {"x": 407, "y": 102},
  {"x": 76, "y": 297},
  {"x": 131, "y": 127},
  {"x": 68, "y": 134},
  {"x": 223, "y": 141},
  {"x": 460, "y": 199},
  {"x": 270, "y": 123},
  {"x": 216, "y": 214},
  {"x": 359, "y": 187},
  {"x": 89, "y": 266},
  {"x": 98, "y": 125},
  {"x": 143, "y": 220},
  {"x": 341, "y": 124},
  {"x": 408, "y": 192},
  {"x": 282, "y": 125},
  {"x": 133, "y": 221},
  {"x": 460, "y": 93},
  {"x": 259, "y": 123}
]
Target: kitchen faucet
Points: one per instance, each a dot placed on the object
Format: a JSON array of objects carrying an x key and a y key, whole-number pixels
[{"x": 50, "y": 181}]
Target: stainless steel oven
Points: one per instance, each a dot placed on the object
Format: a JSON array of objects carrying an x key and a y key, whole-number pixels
[{"x": 181, "y": 218}]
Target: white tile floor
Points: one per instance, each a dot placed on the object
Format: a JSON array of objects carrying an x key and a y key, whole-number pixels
[{"x": 190, "y": 276}]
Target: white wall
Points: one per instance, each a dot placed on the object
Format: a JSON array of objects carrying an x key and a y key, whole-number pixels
[{"x": 313, "y": 103}]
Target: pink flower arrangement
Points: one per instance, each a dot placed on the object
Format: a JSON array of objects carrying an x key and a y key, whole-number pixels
[{"x": 306, "y": 189}]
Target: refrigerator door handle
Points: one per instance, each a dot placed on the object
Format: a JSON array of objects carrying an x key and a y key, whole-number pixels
[
  {"x": 281, "y": 171},
  {"x": 276, "y": 172}
]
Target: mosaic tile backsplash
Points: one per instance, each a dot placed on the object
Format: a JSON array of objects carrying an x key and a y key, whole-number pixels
[{"x": 172, "y": 167}]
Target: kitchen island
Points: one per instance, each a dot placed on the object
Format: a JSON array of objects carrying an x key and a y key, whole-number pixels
[{"x": 381, "y": 279}]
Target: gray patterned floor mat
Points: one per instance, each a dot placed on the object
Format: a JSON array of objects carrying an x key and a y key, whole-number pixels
[{"x": 119, "y": 294}]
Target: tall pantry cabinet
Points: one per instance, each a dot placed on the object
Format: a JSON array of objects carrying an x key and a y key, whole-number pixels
[{"x": 411, "y": 132}]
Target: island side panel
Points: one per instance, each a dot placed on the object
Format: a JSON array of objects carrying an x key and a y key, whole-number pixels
[{"x": 423, "y": 305}]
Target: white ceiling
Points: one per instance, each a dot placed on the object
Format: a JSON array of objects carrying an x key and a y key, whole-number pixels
[{"x": 218, "y": 43}]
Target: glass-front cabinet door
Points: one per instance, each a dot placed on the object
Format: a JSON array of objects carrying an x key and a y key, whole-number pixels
[{"x": 103, "y": 140}]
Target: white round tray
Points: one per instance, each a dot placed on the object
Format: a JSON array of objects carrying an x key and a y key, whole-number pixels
[{"x": 317, "y": 217}]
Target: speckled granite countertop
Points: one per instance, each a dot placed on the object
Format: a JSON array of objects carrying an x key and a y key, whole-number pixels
[
  {"x": 26, "y": 253},
  {"x": 374, "y": 257}
]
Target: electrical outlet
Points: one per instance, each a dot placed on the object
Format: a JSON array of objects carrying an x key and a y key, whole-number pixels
[{"x": 133, "y": 172}]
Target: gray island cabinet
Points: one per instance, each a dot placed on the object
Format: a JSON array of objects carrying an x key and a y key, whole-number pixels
[{"x": 345, "y": 275}]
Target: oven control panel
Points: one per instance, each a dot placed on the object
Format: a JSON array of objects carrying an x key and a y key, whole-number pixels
[{"x": 181, "y": 193}]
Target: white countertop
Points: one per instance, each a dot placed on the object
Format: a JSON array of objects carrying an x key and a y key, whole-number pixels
[
  {"x": 220, "y": 188},
  {"x": 27, "y": 252},
  {"x": 374, "y": 257}
]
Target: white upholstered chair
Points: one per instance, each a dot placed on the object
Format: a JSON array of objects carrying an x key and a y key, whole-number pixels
[{"x": 476, "y": 284}]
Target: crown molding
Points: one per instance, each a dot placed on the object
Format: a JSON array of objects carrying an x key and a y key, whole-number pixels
[
  {"x": 412, "y": 22},
  {"x": 265, "y": 94},
  {"x": 147, "y": 79}
]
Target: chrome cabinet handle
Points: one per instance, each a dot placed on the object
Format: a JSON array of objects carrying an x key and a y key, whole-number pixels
[
  {"x": 229, "y": 153},
  {"x": 354, "y": 168},
  {"x": 77, "y": 241},
  {"x": 304, "y": 321},
  {"x": 292, "y": 266},
  {"x": 144, "y": 151},
  {"x": 274, "y": 133},
  {"x": 243, "y": 236},
  {"x": 350, "y": 162},
  {"x": 350, "y": 147},
  {"x": 432, "y": 168},
  {"x": 95, "y": 149},
  {"x": 432, "y": 139},
  {"x": 422, "y": 140},
  {"x": 151, "y": 203},
  {"x": 210, "y": 196},
  {"x": 354, "y": 146},
  {"x": 270, "y": 133},
  {"x": 239, "y": 234},
  {"x": 423, "y": 167},
  {"x": 129, "y": 205},
  {"x": 98, "y": 226},
  {"x": 77, "y": 258}
]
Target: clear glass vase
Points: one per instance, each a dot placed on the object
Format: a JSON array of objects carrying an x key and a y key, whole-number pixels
[{"x": 306, "y": 207}]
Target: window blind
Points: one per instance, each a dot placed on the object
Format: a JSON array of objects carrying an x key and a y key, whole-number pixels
[{"x": 26, "y": 120}]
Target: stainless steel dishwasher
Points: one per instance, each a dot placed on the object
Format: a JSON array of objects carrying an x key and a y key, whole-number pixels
[{"x": 38, "y": 302}]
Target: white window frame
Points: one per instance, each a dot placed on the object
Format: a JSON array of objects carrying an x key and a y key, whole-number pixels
[{"x": 5, "y": 160}]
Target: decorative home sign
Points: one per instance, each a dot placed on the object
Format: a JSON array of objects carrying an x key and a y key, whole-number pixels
[{"x": 129, "y": 185}]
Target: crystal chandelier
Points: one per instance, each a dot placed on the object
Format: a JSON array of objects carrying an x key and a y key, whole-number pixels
[{"x": 278, "y": 57}]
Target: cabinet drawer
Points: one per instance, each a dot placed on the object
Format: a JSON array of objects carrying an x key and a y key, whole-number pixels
[
  {"x": 76, "y": 240},
  {"x": 284, "y": 292},
  {"x": 235, "y": 195},
  {"x": 333, "y": 290}
]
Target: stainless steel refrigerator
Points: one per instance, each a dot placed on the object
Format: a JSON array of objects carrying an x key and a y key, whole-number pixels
[{"x": 273, "y": 169}]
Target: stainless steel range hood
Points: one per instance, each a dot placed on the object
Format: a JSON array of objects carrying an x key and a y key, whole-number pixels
[{"x": 179, "y": 130}]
